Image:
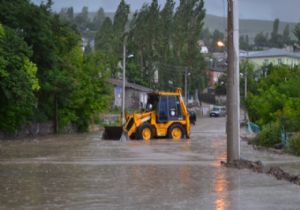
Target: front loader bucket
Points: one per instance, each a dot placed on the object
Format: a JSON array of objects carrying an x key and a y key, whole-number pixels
[{"x": 112, "y": 133}]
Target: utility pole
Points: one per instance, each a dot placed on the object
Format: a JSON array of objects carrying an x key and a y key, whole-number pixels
[
  {"x": 245, "y": 90},
  {"x": 185, "y": 85},
  {"x": 233, "y": 83},
  {"x": 124, "y": 79},
  {"x": 246, "y": 83}
]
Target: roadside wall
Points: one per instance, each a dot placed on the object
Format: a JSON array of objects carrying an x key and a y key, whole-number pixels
[{"x": 37, "y": 129}]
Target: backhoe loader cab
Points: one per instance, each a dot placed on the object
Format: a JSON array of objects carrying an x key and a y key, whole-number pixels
[{"x": 165, "y": 116}]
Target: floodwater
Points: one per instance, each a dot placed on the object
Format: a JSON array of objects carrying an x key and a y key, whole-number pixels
[{"x": 86, "y": 172}]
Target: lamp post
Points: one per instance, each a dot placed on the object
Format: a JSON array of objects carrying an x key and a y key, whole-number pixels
[
  {"x": 245, "y": 90},
  {"x": 124, "y": 78},
  {"x": 185, "y": 85},
  {"x": 186, "y": 93}
]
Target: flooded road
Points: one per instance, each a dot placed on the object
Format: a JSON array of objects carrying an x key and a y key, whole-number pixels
[{"x": 85, "y": 172}]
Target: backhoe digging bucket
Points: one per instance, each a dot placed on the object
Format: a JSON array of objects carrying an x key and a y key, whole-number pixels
[{"x": 112, "y": 133}]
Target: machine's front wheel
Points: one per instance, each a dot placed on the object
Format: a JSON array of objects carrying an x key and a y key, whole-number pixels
[
  {"x": 144, "y": 132},
  {"x": 176, "y": 132}
]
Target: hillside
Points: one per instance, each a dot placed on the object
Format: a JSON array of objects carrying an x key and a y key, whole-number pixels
[{"x": 247, "y": 27}]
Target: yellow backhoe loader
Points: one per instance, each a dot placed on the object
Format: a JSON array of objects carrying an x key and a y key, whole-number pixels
[{"x": 165, "y": 116}]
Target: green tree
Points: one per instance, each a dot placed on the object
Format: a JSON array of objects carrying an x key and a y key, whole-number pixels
[
  {"x": 98, "y": 20},
  {"x": 67, "y": 14},
  {"x": 247, "y": 76},
  {"x": 221, "y": 85},
  {"x": 244, "y": 42},
  {"x": 275, "y": 95},
  {"x": 167, "y": 43},
  {"x": 286, "y": 35},
  {"x": 82, "y": 19},
  {"x": 166, "y": 31},
  {"x": 276, "y": 39},
  {"x": 51, "y": 77},
  {"x": 103, "y": 39},
  {"x": 188, "y": 25},
  {"x": 18, "y": 81},
  {"x": 261, "y": 40},
  {"x": 137, "y": 41},
  {"x": 145, "y": 43},
  {"x": 94, "y": 92},
  {"x": 119, "y": 26},
  {"x": 297, "y": 32}
]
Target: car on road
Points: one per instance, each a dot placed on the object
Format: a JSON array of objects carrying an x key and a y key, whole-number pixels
[{"x": 218, "y": 111}]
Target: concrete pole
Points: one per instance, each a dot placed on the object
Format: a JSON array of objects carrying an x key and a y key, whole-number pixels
[
  {"x": 246, "y": 83},
  {"x": 245, "y": 96},
  {"x": 124, "y": 80},
  {"x": 246, "y": 76},
  {"x": 233, "y": 83},
  {"x": 185, "y": 86}
]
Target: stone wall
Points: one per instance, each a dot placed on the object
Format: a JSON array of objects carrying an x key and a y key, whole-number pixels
[{"x": 36, "y": 129}]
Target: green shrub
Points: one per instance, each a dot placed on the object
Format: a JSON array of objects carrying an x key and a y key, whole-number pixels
[
  {"x": 294, "y": 144},
  {"x": 269, "y": 135}
]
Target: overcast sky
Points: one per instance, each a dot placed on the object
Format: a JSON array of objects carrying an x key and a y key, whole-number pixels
[{"x": 285, "y": 10}]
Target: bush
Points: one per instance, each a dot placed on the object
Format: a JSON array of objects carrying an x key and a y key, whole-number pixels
[
  {"x": 269, "y": 136},
  {"x": 294, "y": 144}
]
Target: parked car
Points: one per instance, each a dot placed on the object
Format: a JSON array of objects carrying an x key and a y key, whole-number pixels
[{"x": 218, "y": 111}]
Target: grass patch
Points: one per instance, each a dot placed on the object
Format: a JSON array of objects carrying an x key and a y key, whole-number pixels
[
  {"x": 294, "y": 145},
  {"x": 269, "y": 135}
]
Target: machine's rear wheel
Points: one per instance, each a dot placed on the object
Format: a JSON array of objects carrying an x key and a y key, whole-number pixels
[
  {"x": 176, "y": 132},
  {"x": 144, "y": 132}
]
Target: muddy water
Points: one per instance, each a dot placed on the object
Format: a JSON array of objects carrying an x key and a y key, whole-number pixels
[{"x": 85, "y": 172}]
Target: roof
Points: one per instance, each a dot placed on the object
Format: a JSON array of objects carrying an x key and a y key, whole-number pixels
[
  {"x": 273, "y": 52},
  {"x": 118, "y": 82}
]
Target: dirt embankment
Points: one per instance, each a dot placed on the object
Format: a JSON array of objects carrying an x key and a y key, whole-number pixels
[{"x": 258, "y": 167}]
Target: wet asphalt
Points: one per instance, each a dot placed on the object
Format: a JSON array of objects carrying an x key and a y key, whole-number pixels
[{"x": 85, "y": 172}]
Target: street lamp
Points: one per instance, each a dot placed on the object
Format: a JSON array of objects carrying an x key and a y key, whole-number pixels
[
  {"x": 124, "y": 76},
  {"x": 220, "y": 44},
  {"x": 186, "y": 74}
]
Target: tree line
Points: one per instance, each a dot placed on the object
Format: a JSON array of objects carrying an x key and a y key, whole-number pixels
[
  {"x": 44, "y": 76},
  {"x": 162, "y": 39},
  {"x": 273, "y": 102}
]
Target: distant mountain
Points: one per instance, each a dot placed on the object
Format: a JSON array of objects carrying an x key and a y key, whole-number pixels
[{"x": 247, "y": 27}]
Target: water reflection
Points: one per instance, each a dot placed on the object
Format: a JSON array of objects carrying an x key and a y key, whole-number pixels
[
  {"x": 76, "y": 174},
  {"x": 222, "y": 181},
  {"x": 221, "y": 189}
]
